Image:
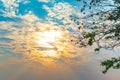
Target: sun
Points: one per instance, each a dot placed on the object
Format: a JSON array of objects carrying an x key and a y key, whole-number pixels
[{"x": 46, "y": 40}]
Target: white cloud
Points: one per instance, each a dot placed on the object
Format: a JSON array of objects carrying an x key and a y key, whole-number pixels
[
  {"x": 29, "y": 17},
  {"x": 26, "y": 1},
  {"x": 11, "y": 7},
  {"x": 46, "y": 1},
  {"x": 61, "y": 12}
]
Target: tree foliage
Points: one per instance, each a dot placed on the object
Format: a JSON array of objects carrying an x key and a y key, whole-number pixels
[
  {"x": 100, "y": 25},
  {"x": 111, "y": 63}
]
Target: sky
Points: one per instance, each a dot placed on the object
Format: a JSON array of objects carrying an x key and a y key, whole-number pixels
[{"x": 35, "y": 43}]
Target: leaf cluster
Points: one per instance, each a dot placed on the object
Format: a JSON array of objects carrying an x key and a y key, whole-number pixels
[{"x": 111, "y": 63}]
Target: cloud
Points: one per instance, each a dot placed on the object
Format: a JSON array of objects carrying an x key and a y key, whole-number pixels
[
  {"x": 60, "y": 11},
  {"x": 60, "y": 14},
  {"x": 11, "y": 7},
  {"x": 29, "y": 17},
  {"x": 46, "y": 1}
]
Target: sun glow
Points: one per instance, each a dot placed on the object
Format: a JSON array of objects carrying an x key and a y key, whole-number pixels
[
  {"x": 45, "y": 45},
  {"x": 47, "y": 40}
]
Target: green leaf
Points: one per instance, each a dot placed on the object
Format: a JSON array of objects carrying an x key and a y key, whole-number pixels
[
  {"x": 90, "y": 42},
  {"x": 97, "y": 49}
]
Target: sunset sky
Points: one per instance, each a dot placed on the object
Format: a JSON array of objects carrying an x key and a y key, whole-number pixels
[{"x": 35, "y": 43}]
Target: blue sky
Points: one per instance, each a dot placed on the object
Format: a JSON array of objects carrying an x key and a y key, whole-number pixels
[{"x": 35, "y": 43}]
